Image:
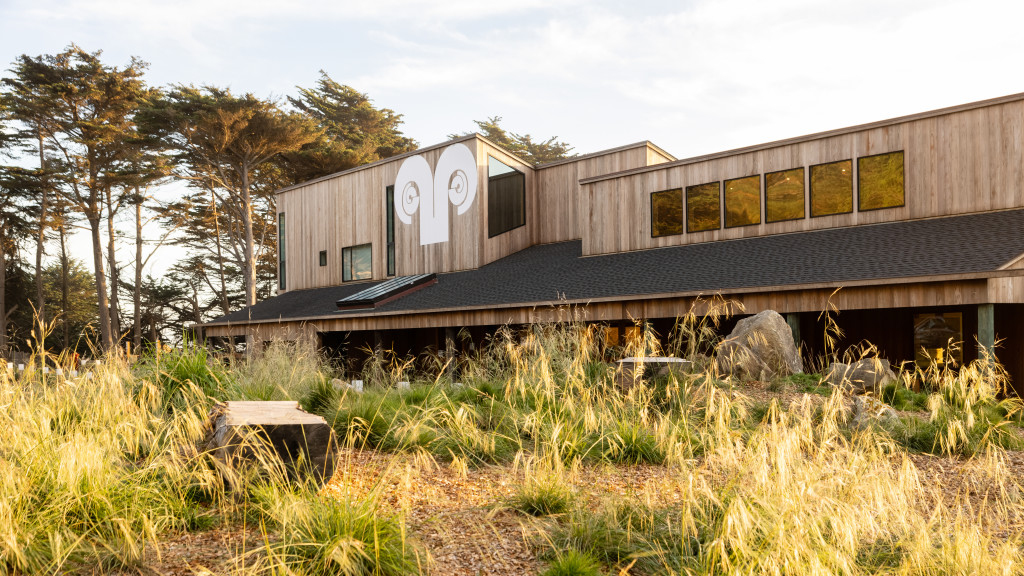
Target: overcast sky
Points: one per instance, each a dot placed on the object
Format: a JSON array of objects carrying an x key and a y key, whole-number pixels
[{"x": 693, "y": 77}]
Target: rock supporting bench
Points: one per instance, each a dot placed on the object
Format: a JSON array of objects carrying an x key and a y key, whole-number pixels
[{"x": 293, "y": 433}]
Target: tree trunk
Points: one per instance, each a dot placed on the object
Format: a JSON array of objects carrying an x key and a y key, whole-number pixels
[
  {"x": 115, "y": 309},
  {"x": 249, "y": 261},
  {"x": 64, "y": 289},
  {"x": 106, "y": 339},
  {"x": 224, "y": 304},
  {"x": 41, "y": 235},
  {"x": 3, "y": 296},
  {"x": 137, "y": 295}
]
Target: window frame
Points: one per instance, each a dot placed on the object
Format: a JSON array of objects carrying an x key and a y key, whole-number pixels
[
  {"x": 810, "y": 189},
  {"x": 346, "y": 263},
  {"x": 682, "y": 212},
  {"x": 490, "y": 233},
  {"x": 389, "y": 228},
  {"x": 725, "y": 202},
  {"x": 323, "y": 258},
  {"x": 803, "y": 188},
  {"x": 281, "y": 263},
  {"x": 686, "y": 207},
  {"x": 902, "y": 152}
]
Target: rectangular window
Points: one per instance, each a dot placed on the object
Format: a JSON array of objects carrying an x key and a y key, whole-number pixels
[
  {"x": 832, "y": 188},
  {"x": 703, "y": 207},
  {"x": 937, "y": 339},
  {"x": 784, "y": 195},
  {"x": 667, "y": 213},
  {"x": 743, "y": 201},
  {"x": 880, "y": 181},
  {"x": 323, "y": 257},
  {"x": 356, "y": 263},
  {"x": 389, "y": 210},
  {"x": 280, "y": 251},
  {"x": 506, "y": 198}
]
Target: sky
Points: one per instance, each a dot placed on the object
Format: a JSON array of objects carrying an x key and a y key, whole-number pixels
[{"x": 693, "y": 77}]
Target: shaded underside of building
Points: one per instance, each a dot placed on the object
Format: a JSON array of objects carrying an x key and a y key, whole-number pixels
[{"x": 899, "y": 284}]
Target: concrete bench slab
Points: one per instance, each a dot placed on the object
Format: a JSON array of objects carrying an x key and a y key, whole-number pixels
[
  {"x": 633, "y": 367},
  {"x": 292, "y": 432}
]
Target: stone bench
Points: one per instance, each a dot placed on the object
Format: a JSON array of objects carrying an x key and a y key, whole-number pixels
[
  {"x": 632, "y": 368},
  {"x": 292, "y": 432}
]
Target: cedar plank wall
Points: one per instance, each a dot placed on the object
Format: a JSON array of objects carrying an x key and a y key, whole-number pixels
[
  {"x": 516, "y": 239},
  {"x": 556, "y": 204},
  {"x": 969, "y": 160},
  {"x": 348, "y": 210}
]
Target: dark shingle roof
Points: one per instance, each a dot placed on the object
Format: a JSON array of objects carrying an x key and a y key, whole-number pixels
[{"x": 974, "y": 243}]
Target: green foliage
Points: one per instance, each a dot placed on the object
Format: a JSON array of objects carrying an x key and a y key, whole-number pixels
[
  {"x": 174, "y": 371},
  {"x": 522, "y": 145},
  {"x": 355, "y": 132},
  {"x": 967, "y": 411},
  {"x": 327, "y": 536},
  {"x": 573, "y": 563},
  {"x": 542, "y": 494},
  {"x": 900, "y": 397}
]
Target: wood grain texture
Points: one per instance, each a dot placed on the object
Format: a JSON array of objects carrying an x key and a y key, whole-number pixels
[
  {"x": 957, "y": 163},
  {"x": 781, "y": 299},
  {"x": 348, "y": 209}
]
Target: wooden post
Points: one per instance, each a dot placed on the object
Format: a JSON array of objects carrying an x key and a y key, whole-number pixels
[
  {"x": 986, "y": 329},
  {"x": 793, "y": 319}
]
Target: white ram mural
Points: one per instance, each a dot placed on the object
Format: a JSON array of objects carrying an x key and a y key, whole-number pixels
[{"x": 418, "y": 189}]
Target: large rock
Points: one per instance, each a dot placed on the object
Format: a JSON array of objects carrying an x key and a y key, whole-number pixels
[
  {"x": 861, "y": 377},
  {"x": 868, "y": 410},
  {"x": 293, "y": 434},
  {"x": 760, "y": 347}
]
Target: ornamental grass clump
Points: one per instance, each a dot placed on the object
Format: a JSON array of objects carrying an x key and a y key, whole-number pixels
[
  {"x": 327, "y": 535},
  {"x": 92, "y": 469}
]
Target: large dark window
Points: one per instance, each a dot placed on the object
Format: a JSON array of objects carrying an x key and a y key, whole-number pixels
[
  {"x": 743, "y": 201},
  {"x": 784, "y": 195},
  {"x": 280, "y": 251},
  {"x": 880, "y": 181},
  {"x": 356, "y": 263},
  {"x": 832, "y": 188},
  {"x": 667, "y": 213},
  {"x": 703, "y": 207},
  {"x": 389, "y": 201},
  {"x": 506, "y": 198},
  {"x": 937, "y": 339}
]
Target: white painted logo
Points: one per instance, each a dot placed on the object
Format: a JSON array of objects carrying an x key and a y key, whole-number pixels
[{"x": 454, "y": 180}]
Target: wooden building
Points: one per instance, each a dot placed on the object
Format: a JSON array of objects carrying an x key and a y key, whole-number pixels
[{"x": 919, "y": 220}]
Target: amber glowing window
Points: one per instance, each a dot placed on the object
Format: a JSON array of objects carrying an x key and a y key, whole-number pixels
[
  {"x": 703, "y": 207},
  {"x": 667, "y": 213},
  {"x": 880, "y": 181},
  {"x": 784, "y": 195},
  {"x": 832, "y": 188},
  {"x": 743, "y": 201}
]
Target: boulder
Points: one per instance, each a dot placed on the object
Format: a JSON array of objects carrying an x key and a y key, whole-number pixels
[
  {"x": 867, "y": 410},
  {"x": 292, "y": 433},
  {"x": 861, "y": 377},
  {"x": 760, "y": 347}
]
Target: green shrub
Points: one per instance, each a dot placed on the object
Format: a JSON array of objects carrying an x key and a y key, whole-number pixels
[
  {"x": 326, "y": 536},
  {"x": 573, "y": 563},
  {"x": 543, "y": 495}
]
